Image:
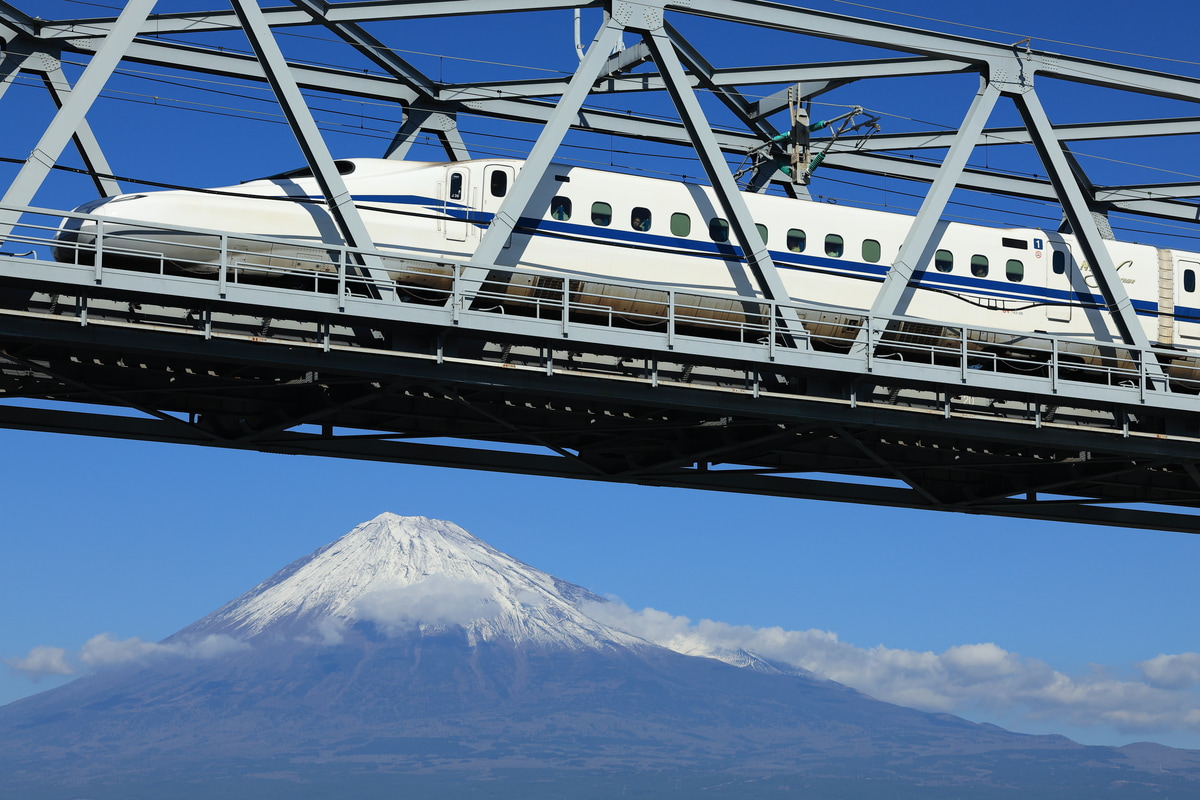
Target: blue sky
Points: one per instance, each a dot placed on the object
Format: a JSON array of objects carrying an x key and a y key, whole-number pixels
[{"x": 138, "y": 540}]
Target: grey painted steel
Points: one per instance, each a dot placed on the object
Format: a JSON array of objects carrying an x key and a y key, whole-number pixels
[
  {"x": 443, "y": 125},
  {"x": 542, "y": 153},
  {"x": 731, "y": 199},
  {"x": 919, "y": 244},
  {"x": 297, "y": 443},
  {"x": 308, "y": 136},
  {"x": 1077, "y": 211},
  {"x": 68, "y": 119},
  {"x": 780, "y": 409},
  {"x": 85, "y": 141},
  {"x": 10, "y": 67},
  {"x": 419, "y": 120}
]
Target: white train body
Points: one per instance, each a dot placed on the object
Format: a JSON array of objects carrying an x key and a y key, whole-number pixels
[{"x": 619, "y": 227}]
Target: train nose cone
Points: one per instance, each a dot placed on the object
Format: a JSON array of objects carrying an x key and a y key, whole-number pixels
[{"x": 73, "y": 232}]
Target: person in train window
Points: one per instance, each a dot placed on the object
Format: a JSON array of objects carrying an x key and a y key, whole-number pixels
[
  {"x": 639, "y": 219},
  {"x": 560, "y": 208}
]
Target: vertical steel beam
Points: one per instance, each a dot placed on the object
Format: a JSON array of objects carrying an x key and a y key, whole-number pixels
[
  {"x": 68, "y": 119},
  {"x": 85, "y": 141},
  {"x": 919, "y": 242},
  {"x": 709, "y": 152},
  {"x": 1075, "y": 207},
  {"x": 538, "y": 160},
  {"x": 308, "y": 136}
]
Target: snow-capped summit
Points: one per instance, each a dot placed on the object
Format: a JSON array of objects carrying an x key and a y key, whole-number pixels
[{"x": 409, "y": 574}]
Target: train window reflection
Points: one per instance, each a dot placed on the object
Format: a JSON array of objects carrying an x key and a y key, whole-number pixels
[
  {"x": 601, "y": 214},
  {"x": 681, "y": 224},
  {"x": 1058, "y": 262},
  {"x": 456, "y": 185},
  {"x": 560, "y": 207},
  {"x": 943, "y": 261},
  {"x": 639, "y": 219},
  {"x": 796, "y": 239},
  {"x": 834, "y": 246},
  {"x": 718, "y": 229},
  {"x": 499, "y": 183},
  {"x": 1014, "y": 270},
  {"x": 1189, "y": 280},
  {"x": 871, "y": 251},
  {"x": 762, "y": 231},
  {"x": 979, "y": 266}
]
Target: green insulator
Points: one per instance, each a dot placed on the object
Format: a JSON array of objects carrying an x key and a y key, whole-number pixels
[
  {"x": 816, "y": 126},
  {"x": 816, "y": 162}
]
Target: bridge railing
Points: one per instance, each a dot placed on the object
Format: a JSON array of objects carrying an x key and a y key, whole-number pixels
[{"x": 668, "y": 314}]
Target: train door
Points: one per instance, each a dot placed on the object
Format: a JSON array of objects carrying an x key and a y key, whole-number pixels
[
  {"x": 1058, "y": 281},
  {"x": 497, "y": 180},
  {"x": 1187, "y": 298},
  {"x": 456, "y": 203}
]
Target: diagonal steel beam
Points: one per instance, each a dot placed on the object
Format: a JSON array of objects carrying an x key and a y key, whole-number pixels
[
  {"x": 339, "y": 200},
  {"x": 732, "y": 202},
  {"x": 375, "y": 50},
  {"x": 85, "y": 141},
  {"x": 68, "y": 119},
  {"x": 517, "y": 200},
  {"x": 919, "y": 243},
  {"x": 1076, "y": 209}
]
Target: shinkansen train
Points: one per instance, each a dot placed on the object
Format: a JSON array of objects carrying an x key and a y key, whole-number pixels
[{"x": 590, "y": 226}]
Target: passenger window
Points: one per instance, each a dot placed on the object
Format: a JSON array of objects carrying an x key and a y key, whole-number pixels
[
  {"x": 681, "y": 224},
  {"x": 601, "y": 214},
  {"x": 870, "y": 251},
  {"x": 639, "y": 219},
  {"x": 560, "y": 208},
  {"x": 796, "y": 239},
  {"x": 762, "y": 231},
  {"x": 499, "y": 183},
  {"x": 1014, "y": 270},
  {"x": 456, "y": 182},
  {"x": 1058, "y": 262},
  {"x": 979, "y": 266},
  {"x": 718, "y": 229},
  {"x": 834, "y": 246},
  {"x": 1189, "y": 280},
  {"x": 943, "y": 261}
]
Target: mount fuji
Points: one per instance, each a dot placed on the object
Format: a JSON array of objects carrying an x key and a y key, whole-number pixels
[{"x": 408, "y": 658}]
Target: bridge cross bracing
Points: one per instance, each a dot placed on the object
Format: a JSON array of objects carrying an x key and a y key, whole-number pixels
[{"x": 556, "y": 390}]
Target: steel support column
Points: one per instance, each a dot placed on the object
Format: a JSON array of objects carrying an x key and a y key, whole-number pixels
[
  {"x": 70, "y": 116},
  {"x": 732, "y": 202},
  {"x": 308, "y": 136},
  {"x": 919, "y": 242}
]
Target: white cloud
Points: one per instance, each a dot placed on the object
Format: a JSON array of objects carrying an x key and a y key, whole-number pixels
[
  {"x": 103, "y": 650},
  {"x": 41, "y": 662},
  {"x": 1181, "y": 671},
  {"x": 962, "y": 679},
  {"x": 436, "y": 600}
]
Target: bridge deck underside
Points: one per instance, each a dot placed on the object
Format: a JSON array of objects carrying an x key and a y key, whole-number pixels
[{"x": 233, "y": 376}]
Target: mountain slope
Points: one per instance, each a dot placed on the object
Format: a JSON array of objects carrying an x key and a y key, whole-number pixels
[{"x": 409, "y": 656}]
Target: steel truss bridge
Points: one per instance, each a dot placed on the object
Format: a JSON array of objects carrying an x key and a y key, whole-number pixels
[{"x": 347, "y": 365}]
